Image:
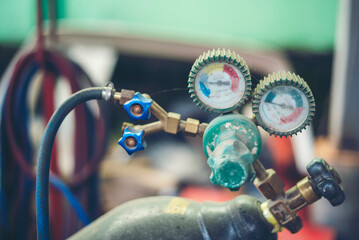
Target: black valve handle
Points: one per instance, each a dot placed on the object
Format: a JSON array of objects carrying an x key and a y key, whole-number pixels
[{"x": 325, "y": 181}]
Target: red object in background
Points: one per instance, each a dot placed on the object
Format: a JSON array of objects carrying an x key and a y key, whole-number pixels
[
  {"x": 201, "y": 194},
  {"x": 282, "y": 153},
  {"x": 56, "y": 213},
  {"x": 309, "y": 232}
]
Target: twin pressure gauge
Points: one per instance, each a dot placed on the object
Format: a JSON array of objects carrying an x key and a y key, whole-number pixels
[
  {"x": 220, "y": 82},
  {"x": 283, "y": 104}
]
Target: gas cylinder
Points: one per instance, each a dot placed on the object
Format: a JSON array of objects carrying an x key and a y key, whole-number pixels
[{"x": 174, "y": 218}]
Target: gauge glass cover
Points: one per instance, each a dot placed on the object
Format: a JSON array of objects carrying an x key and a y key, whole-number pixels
[
  {"x": 220, "y": 85},
  {"x": 284, "y": 108}
]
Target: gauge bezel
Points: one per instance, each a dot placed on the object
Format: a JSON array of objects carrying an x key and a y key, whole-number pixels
[
  {"x": 282, "y": 79},
  {"x": 217, "y": 56}
]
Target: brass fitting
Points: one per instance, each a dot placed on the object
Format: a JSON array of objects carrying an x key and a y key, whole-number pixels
[
  {"x": 285, "y": 206},
  {"x": 323, "y": 181},
  {"x": 191, "y": 126},
  {"x": 267, "y": 181},
  {"x": 271, "y": 186},
  {"x": 172, "y": 122},
  {"x": 124, "y": 96},
  {"x": 270, "y": 218},
  {"x": 202, "y": 127},
  {"x": 169, "y": 122},
  {"x": 157, "y": 110},
  {"x": 285, "y": 216},
  {"x": 149, "y": 128},
  {"x": 307, "y": 191}
]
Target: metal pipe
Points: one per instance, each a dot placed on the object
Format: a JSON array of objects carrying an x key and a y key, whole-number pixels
[
  {"x": 261, "y": 172},
  {"x": 158, "y": 112},
  {"x": 150, "y": 128},
  {"x": 117, "y": 96}
]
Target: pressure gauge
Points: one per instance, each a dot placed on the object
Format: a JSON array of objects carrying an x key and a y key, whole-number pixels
[
  {"x": 283, "y": 104},
  {"x": 219, "y": 81}
]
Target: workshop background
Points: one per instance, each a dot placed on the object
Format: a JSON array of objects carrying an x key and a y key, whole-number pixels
[{"x": 150, "y": 46}]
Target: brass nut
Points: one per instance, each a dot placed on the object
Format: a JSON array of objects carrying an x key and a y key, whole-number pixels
[
  {"x": 307, "y": 191},
  {"x": 191, "y": 126},
  {"x": 172, "y": 122},
  {"x": 284, "y": 216},
  {"x": 271, "y": 186},
  {"x": 281, "y": 212},
  {"x": 126, "y": 95}
]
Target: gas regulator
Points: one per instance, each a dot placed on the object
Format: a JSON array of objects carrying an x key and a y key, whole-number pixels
[
  {"x": 220, "y": 82},
  {"x": 282, "y": 104}
]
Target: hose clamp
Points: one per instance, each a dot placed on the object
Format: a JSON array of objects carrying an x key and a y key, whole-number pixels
[{"x": 107, "y": 91}]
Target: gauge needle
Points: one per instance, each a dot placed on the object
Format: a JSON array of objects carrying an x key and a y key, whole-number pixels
[
  {"x": 220, "y": 83},
  {"x": 282, "y": 105}
]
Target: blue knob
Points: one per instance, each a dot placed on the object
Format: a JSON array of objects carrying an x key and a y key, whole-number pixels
[
  {"x": 138, "y": 108},
  {"x": 326, "y": 181},
  {"x": 132, "y": 141}
]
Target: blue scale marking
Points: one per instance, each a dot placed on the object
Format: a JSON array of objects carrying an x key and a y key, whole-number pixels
[
  {"x": 202, "y": 80},
  {"x": 294, "y": 93},
  {"x": 271, "y": 95},
  {"x": 297, "y": 98}
]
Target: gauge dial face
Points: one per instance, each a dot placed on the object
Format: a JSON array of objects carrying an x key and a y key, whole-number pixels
[
  {"x": 220, "y": 85},
  {"x": 284, "y": 108}
]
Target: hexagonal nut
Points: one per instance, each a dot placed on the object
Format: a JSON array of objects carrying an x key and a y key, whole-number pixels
[
  {"x": 191, "y": 126},
  {"x": 172, "y": 123},
  {"x": 270, "y": 187},
  {"x": 126, "y": 95}
]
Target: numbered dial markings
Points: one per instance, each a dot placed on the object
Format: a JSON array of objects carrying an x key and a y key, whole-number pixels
[
  {"x": 220, "y": 85},
  {"x": 284, "y": 108},
  {"x": 219, "y": 81}
]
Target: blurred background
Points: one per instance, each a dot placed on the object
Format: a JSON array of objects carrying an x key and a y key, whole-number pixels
[{"x": 52, "y": 48}]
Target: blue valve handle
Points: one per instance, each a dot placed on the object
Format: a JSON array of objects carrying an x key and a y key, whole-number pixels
[
  {"x": 138, "y": 108},
  {"x": 132, "y": 140},
  {"x": 326, "y": 181}
]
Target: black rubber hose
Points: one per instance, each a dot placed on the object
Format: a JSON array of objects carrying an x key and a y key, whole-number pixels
[{"x": 43, "y": 165}]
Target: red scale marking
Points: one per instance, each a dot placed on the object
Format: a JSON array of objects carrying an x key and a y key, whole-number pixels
[
  {"x": 234, "y": 77},
  {"x": 291, "y": 117}
]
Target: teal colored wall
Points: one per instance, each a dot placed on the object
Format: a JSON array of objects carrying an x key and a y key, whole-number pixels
[
  {"x": 16, "y": 19},
  {"x": 294, "y": 24}
]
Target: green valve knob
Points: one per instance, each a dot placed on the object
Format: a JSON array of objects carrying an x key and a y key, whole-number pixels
[{"x": 231, "y": 143}]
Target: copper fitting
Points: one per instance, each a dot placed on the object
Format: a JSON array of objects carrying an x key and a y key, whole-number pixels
[
  {"x": 136, "y": 109},
  {"x": 307, "y": 191},
  {"x": 130, "y": 142}
]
